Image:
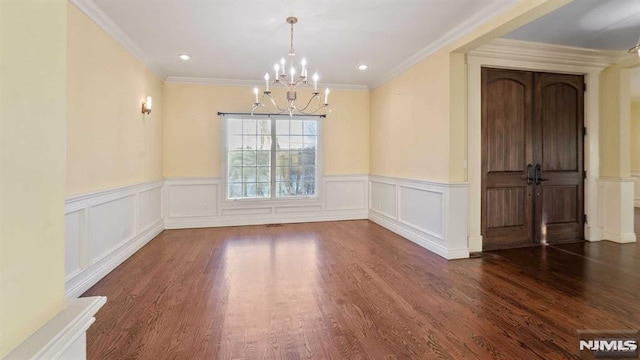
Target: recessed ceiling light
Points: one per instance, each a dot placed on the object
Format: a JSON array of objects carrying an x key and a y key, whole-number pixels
[
  {"x": 184, "y": 56},
  {"x": 363, "y": 67}
]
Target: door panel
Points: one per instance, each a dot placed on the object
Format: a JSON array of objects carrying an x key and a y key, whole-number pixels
[
  {"x": 531, "y": 118},
  {"x": 507, "y": 209},
  {"x": 558, "y": 147}
]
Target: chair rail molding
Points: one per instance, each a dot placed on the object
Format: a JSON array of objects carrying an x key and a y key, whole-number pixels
[{"x": 64, "y": 336}]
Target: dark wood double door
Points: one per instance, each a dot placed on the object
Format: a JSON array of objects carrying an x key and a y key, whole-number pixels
[{"x": 532, "y": 158}]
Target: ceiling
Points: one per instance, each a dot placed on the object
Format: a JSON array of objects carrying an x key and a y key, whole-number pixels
[
  {"x": 594, "y": 24},
  {"x": 243, "y": 39},
  {"x": 240, "y": 40}
]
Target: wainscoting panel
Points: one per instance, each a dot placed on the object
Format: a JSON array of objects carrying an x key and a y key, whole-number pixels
[
  {"x": 192, "y": 198},
  {"x": 74, "y": 244},
  {"x": 422, "y": 209},
  {"x": 345, "y": 194},
  {"x": 106, "y": 227},
  {"x": 433, "y": 215},
  {"x": 636, "y": 183},
  {"x": 383, "y": 198},
  {"x": 617, "y": 218},
  {"x": 193, "y": 203}
]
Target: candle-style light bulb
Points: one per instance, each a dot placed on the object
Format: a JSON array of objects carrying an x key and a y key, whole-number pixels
[
  {"x": 282, "y": 65},
  {"x": 276, "y": 67},
  {"x": 266, "y": 80},
  {"x": 315, "y": 82},
  {"x": 293, "y": 72},
  {"x": 304, "y": 67},
  {"x": 326, "y": 96},
  {"x": 255, "y": 91}
]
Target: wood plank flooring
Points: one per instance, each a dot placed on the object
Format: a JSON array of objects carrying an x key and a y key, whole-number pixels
[{"x": 353, "y": 290}]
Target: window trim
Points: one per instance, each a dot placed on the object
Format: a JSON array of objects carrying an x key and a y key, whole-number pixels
[{"x": 293, "y": 200}]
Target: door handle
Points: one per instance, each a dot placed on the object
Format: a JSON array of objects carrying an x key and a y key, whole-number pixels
[
  {"x": 539, "y": 178},
  {"x": 530, "y": 174}
]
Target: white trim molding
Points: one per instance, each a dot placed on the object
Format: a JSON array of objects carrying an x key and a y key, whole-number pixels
[
  {"x": 64, "y": 336},
  {"x": 199, "y": 202},
  {"x": 104, "y": 228},
  {"x": 465, "y": 27},
  {"x": 93, "y": 12},
  {"x": 636, "y": 177},
  {"x": 424, "y": 212},
  {"x": 522, "y": 55},
  {"x": 244, "y": 83},
  {"x": 617, "y": 203}
]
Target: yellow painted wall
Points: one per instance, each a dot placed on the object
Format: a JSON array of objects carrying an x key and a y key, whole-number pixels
[
  {"x": 110, "y": 143},
  {"x": 615, "y": 153},
  {"x": 418, "y": 118},
  {"x": 410, "y": 122},
  {"x": 32, "y": 165},
  {"x": 192, "y": 137},
  {"x": 635, "y": 136}
]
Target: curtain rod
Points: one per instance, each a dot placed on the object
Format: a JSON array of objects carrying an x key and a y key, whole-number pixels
[{"x": 256, "y": 114}]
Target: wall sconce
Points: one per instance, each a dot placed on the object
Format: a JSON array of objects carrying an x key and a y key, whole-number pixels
[{"x": 146, "y": 106}]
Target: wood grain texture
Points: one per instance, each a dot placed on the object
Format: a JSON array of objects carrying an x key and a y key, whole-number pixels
[
  {"x": 353, "y": 290},
  {"x": 507, "y": 149}
]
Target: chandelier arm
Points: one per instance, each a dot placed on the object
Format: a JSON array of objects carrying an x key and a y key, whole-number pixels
[
  {"x": 316, "y": 110},
  {"x": 274, "y": 103},
  {"x": 315, "y": 94}
]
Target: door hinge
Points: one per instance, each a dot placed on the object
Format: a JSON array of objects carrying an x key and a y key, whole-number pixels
[
  {"x": 584, "y": 218},
  {"x": 584, "y": 131},
  {"x": 584, "y": 174}
]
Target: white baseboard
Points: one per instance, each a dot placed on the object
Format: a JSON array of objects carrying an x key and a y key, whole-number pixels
[
  {"x": 620, "y": 238},
  {"x": 424, "y": 212},
  {"x": 63, "y": 337},
  {"x": 199, "y": 202},
  {"x": 105, "y": 228}
]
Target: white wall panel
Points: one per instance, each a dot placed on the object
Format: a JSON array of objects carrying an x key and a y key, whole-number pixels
[
  {"x": 110, "y": 224},
  {"x": 636, "y": 185},
  {"x": 104, "y": 228},
  {"x": 150, "y": 208},
  {"x": 73, "y": 246},
  {"x": 422, "y": 209},
  {"x": 192, "y": 199},
  {"x": 383, "y": 198},
  {"x": 345, "y": 195},
  {"x": 195, "y": 202},
  {"x": 433, "y": 215}
]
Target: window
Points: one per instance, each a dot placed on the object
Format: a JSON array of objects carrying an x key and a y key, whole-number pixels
[{"x": 271, "y": 157}]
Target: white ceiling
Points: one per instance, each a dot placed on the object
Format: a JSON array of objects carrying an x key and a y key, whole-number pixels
[
  {"x": 242, "y": 39},
  {"x": 239, "y": 40},
  {"x": 594, "y": 24}
]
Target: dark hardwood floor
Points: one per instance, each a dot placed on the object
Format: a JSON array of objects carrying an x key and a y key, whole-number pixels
[{"x": 353, "y": 290}]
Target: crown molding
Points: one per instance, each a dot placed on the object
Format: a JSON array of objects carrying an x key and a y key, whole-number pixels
[
  {"x": 93, "y": 12},
  {"x": 508, "y": 49},
  {"x": 467, "y": 26},
  {"x": 244, "y": 83}
]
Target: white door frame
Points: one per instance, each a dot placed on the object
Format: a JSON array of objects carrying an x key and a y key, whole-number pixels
[{"x": 510, "y": 54}]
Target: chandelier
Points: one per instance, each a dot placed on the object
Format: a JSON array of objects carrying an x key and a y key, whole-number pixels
[{"x": 291, "y": 83}]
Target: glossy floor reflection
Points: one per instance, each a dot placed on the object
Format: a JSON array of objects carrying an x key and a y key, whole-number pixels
[{"x": 353, "y": 290}]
